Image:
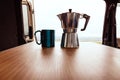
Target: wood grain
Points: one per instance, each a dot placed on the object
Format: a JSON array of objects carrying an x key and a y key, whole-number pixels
[{"x": 89, "y": 62}]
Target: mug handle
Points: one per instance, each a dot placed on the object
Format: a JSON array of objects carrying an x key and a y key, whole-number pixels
[{"x": 36, "y": 37}]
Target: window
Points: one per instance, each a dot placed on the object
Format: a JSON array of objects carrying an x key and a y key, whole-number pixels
[{"x": 46, "y": 16}]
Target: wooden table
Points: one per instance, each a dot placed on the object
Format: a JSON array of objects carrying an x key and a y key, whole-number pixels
[{"x": 90, "y": 61}]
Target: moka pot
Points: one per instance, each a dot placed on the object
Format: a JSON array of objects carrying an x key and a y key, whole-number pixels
[{"x": 69, "y": 23}]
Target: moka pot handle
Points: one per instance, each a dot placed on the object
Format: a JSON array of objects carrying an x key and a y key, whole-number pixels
[{"x": 87, "y": 17}]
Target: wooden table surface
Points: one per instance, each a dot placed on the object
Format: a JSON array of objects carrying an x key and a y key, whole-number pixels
[{"x": 90, "y": 61}]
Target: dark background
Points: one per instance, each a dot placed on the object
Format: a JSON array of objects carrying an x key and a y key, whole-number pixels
[{"x": 11, "y": 24}]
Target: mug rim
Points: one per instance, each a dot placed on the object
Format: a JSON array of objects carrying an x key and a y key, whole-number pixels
[{"x": 47, "y": 30}]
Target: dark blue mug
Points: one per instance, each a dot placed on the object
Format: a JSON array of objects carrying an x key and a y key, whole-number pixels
[{"x": 47, "y": 38}]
